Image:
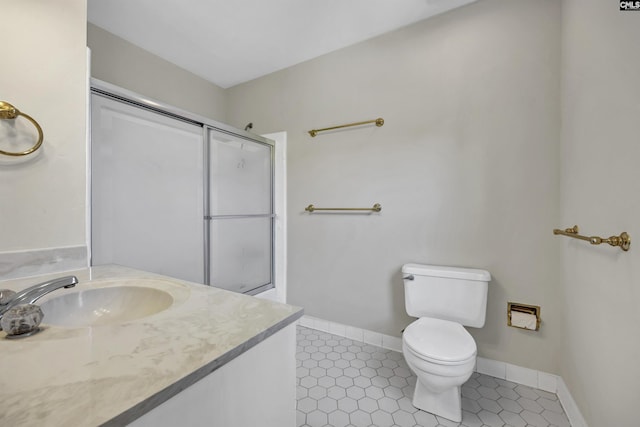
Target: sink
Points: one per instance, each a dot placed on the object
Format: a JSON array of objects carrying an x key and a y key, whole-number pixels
[{"x": 104, "y": 306}]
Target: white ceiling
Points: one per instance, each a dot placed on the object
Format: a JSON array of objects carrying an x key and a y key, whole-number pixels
[{"x": 233, "y": 41}]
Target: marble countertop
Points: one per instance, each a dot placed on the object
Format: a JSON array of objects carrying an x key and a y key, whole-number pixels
[{"x": 112, "y": 374}]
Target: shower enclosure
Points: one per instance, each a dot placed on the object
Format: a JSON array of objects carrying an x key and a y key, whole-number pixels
[{"x": 180, "y": 195}]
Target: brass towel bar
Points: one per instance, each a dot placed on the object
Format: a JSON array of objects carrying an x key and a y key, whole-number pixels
[
  {"x": 623, "y": 240},
  {"x": 376, "y": 208},
  {"x": 8, "y": 111},
  {"x": 379, "y": 122}
]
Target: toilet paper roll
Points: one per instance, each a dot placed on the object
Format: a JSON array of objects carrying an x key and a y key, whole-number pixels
[{"x": 523, "y": 320}]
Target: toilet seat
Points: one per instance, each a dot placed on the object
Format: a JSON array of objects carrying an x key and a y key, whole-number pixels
[{"x": 439, "y": 341}]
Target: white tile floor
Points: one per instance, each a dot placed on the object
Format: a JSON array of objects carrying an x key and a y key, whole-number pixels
[{"x": 342, "y": 383}]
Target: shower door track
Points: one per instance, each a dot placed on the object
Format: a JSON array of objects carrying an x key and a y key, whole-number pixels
[{"x": 109, "y": 90}]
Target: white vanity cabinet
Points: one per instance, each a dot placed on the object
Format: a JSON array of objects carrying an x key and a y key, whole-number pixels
[{"x": 257, "y": 388}]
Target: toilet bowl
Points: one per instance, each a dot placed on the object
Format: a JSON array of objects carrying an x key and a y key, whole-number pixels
[
  {"x": 442, "y": 354},
  {"x": 437, "y": 347}
]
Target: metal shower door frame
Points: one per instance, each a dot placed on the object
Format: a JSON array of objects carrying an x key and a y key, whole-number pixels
[{"x": 208, "y": 125}]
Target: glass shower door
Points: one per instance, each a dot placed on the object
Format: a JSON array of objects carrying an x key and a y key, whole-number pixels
[
  {"x": 241, "y": 218},
  {"x": 147, "y": 195}
]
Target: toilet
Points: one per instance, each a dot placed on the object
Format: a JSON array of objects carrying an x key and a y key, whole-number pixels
[{"x": 437, "y": 348}]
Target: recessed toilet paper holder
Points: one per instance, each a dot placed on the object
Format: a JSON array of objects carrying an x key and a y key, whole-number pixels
[{"x": 522, "y": 318}]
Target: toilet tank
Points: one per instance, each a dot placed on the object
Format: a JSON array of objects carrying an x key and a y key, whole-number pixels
[{"x": 449, "y": 293}]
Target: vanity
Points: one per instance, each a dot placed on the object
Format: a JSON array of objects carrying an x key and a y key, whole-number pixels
[{"x": 155, "y": 352}]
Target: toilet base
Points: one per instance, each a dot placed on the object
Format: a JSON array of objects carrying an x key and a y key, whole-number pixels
[{"x": 447, "y": 404}]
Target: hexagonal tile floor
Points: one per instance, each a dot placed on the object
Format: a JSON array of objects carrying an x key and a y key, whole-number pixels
[{"x": 346, "y": 383}]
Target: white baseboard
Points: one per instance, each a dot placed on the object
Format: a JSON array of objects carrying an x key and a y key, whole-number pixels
[
  {"x": 518, "y": 374},
  {"x": 570, "y": 407},
  {"x": 374, "y": 338},
  {"x": 494, "y": 368},
  {"x": 536, "y": 379}
]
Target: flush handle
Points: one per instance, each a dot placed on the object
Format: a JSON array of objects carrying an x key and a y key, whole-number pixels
[{"x": 409, "y": 277}]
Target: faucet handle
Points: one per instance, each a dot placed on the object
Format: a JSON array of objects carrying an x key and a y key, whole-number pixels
[
  {"x": 22, "y": 320},
  {"x": 6, "y": 295}
]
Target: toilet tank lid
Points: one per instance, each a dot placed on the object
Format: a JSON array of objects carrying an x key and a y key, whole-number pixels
[{"x": 449, "y": 272}]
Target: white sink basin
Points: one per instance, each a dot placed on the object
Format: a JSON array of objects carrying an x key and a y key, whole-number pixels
[{"x": 104, "y": 306}]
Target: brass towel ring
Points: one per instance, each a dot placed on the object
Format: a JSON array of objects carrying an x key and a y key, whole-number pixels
[{"x": 8, "y": 111}]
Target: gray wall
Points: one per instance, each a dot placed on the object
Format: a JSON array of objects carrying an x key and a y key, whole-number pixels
[
  {"x": 600, "y": 192},
  {"x": 117, "y": 61},
  {"x": 466, "y": 168},
  {"x": 44, "y": 74}
]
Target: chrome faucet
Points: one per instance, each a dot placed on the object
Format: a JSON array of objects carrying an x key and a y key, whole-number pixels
[{"x": 35, "y": 292}]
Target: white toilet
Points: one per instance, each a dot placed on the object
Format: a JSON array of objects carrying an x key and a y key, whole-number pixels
[{"x": 436, "y": 347}]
